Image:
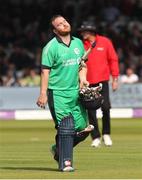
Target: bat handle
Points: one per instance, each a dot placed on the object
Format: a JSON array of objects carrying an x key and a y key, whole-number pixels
[{"x": 93, "y": 44}]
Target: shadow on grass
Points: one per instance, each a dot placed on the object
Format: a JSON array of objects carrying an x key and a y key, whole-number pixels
[{"x": 30, "y": 168}]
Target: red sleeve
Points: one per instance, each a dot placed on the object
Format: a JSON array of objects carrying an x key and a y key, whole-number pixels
[{"x": 112, "y": 60}]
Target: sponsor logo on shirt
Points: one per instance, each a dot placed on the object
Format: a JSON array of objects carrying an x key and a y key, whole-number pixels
[
  {"x": 100, "y": 48},
  {"x": 71, "y": 62}
]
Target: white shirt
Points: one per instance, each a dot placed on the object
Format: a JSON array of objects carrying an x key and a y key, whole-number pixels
[{"x": 133, "y": 78}]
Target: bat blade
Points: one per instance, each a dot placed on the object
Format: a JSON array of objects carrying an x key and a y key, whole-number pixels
[{"x": 85, "y": 56}]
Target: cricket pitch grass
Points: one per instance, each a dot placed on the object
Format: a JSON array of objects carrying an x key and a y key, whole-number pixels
[{"x": 25, "y": 154}]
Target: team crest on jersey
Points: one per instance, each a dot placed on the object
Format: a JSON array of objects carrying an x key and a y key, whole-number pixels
[{"x": 77, "y": 51}]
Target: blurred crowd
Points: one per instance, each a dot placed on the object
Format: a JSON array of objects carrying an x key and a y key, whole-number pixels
[{"x": 24, "y": 31}]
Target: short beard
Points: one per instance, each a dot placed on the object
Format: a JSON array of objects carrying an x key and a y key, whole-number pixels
[{"x": 64, "y": 33}]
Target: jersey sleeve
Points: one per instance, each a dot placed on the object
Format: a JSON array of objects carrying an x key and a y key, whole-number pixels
[
  {"x": 47, "y": 57},
  {"x": 112, "y": 59},
  {"x": 82, "y": 48}
]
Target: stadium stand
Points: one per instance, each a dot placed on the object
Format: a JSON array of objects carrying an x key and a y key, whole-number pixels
[{"x": 25, "y": 30}]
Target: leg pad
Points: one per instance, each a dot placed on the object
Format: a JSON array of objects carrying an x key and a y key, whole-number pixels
[{"x": 66, "y": 132}]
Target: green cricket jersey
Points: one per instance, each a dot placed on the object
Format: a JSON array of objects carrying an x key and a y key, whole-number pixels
[{"x": 63, "y": 62}]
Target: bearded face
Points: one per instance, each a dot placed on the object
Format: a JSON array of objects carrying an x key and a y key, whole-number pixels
[{"x": 61, "y": 26}]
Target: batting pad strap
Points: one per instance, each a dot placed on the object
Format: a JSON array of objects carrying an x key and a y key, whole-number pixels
[{"x": 66, "y": 132}]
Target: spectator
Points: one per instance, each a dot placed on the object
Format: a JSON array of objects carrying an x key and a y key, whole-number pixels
[
  {"x": 20, "y": 58},
  {"x": 130, "y": 77},
  {"x": 110, "y": 12},
  {"x": 32, "y": 78}
]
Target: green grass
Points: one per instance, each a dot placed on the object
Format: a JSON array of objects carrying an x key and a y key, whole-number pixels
[{"x": 24, "y": 152}]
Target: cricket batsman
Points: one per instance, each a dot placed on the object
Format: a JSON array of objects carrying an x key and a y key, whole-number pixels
[{"x": 60, "y": 83}]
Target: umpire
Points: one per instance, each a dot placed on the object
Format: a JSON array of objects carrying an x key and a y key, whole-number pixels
[{"x": 102, "y": 63}]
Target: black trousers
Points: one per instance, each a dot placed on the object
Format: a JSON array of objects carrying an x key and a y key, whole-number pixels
[{"x": 105, "y": 113}]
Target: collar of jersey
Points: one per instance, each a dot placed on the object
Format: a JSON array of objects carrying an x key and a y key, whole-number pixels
[{"x": 60, "y": 40}]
